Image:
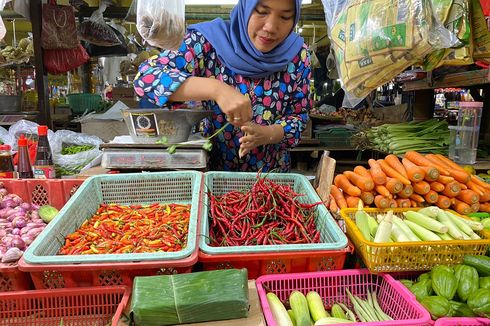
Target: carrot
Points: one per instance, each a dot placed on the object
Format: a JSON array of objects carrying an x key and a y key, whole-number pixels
[
  {"x": 417, "y": 198},
  {"x": 393, "y": 185},
  {"x": 421, "y": 187},
  {"x": 361, "y": 170},
  {"x": 463, "y": 186},
  {"x": 338, "y": 196},
  {"x": 475, "y": 207},
  {"x": 480, "y": 182},
  {"x": 333, "y": 207},
  {"x": 485, "y": 207},
  {"x": 468, "y": 196},
  {"x": 367, "y": 197},
  {"x": 485, "y": 197},
  {"x": 461, "y": 207},
  {"x": 379, "y": 177},
  {"x": 414, "y": 172},
  {"x": 381, "y": 201},
  {"x": 352, "y": 201},
  {"x": 445, "y": 179},
  {"x": 380, "y": 189},
  {"x": 443, "y": 202},
  {"x": 403, "y": 203},
  {"x": 361, "y": 182},
  {"x": 418, "y": 158},
  {"x": 343, "y": 183},
  {"x": 452, "y": 189},
  {"x": 457, "y": 172},
  {"x": 395, "y": 163},
  {"x": 393, "y": 203},
  {"x": 390, "y": 172},
  {"x": 406, "y": 192},
  {"x": 413, "y": 203},
  {"x": 435, "y": 162},
  {"x": 431, "y": 173},
  {"x": 476, "y": 188},
  {"x": 431, "y": 197},
  {"x": 437, "y": 186}
]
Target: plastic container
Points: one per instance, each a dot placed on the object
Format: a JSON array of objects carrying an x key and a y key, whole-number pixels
[
  {"x": 79, "y": 103},
  {"x": 393, "y": 298},
  {"x": 464, "y": 137},
  {"x": 278, "y": 262},
  {"x": 125, "y": 189},
  {"x": 7, "y": 169},
  {"x": 219, "y": 183},
  {"x": 462, "y": 321},
  {"x": 335, "y": 137},
  {"x": 83, "y": 306},
  {"x": 409, "y": 256},
  {"x": 40, "y": 192}
]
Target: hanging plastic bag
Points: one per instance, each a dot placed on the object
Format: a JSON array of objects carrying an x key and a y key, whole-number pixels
[
  {"x": 161, "y": 23},
  {"x": 22, "y": 7},
  {"x": 5, "y": 137},
  {"x": 96, "y": 31},
  {"x": 116, "y": 50},
  {"x": 59, "y": 30},
  {"x": 72, "y": 151},
  {"x": 60, "y": 61},
  {"x": 3, "y": 29},
  {"x": 375, "y": 40}
]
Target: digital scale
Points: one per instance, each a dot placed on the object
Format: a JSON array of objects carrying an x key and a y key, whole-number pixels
[{"x": 123, "y": 153}]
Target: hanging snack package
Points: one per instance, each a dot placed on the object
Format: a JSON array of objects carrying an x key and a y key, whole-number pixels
[
  {"x": 161, "y": 23},
  {"x": 96, "y": 31},
  {"x": 375, "y": 40}
]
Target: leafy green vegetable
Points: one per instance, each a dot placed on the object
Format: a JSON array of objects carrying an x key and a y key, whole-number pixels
[{"x": 75, "y": 149}]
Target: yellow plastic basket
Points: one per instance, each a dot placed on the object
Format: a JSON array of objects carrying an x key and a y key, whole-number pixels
[{"x": 409, "y": 256}]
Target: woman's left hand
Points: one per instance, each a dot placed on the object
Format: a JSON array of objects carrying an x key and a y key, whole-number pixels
[{"x": 256, "y": 135}]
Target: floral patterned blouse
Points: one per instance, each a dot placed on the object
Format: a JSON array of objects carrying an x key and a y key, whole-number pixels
[{"x": 281, "y": 98}]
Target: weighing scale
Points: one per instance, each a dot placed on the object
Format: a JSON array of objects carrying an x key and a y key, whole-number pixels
[{"x": 123, "y": 153}]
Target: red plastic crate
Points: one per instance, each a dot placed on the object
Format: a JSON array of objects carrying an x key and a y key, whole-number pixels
[
  {"x": 278, "y": 262},
  {"x": 81, "y": 306},
  {"x": 55, "y": 192}
]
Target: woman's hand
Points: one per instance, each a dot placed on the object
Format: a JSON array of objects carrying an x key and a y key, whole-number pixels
[
  {"x": 235, "y": 105},
  {"x": 256, "y": 135}
]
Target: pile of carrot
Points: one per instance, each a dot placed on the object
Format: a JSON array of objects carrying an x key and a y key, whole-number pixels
[{"x": 414, "y": 181}]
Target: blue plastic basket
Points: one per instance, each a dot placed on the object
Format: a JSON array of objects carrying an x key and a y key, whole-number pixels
[
  {"x": 219, "y": 183},
  {"x": 125, "y": 189}
]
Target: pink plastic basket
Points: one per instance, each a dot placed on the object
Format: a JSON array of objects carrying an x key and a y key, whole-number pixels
[
  {"x": 393, "y": 298},
  {"x": 462, "y": 321}
]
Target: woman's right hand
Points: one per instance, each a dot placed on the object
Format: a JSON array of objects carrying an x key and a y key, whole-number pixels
[{"x": 235, "y": 105}]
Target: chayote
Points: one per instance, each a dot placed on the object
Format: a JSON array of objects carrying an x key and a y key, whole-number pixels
[
  {"x": 444, "y": 282},
  {"x": 485, "y": 282},
  {"x": 467, "y": 277},
  {"x": 437, "y": 306},
  {"x": 461, "y": 309},
  {"x": 421, "y": 289},
  {"x": 408, "y": 283},
  {"x": 479, "y": 302},
  {"x": 424, "y": 276}
]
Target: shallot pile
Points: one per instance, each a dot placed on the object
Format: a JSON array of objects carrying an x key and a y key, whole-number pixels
[{"x": 20, "y": 224}]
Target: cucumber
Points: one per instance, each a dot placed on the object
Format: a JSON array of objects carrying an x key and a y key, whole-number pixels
[
  {"x": 278, "y": 310},
  {"x": 481, "y": 263},
  {"x": 315, "y": 306},
  {"x": 299, "y": 305}
]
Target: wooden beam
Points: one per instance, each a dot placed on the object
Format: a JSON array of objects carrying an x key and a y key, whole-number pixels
[
  {"x": 44, "y": 116},
  {"x": 467, "y": 78}
]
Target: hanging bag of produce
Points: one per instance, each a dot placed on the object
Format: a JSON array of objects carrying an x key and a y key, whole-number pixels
[
  {"x": 161, "y": 23},
  {"x": 96, "y": 31},
  {"x": 59, "y": 30},
  {"x": 109, "y": 51},
  {"x": 60, "y": 61}
]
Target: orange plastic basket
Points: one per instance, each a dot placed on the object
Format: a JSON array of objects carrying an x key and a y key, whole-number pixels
[
  {"x": 259, "y": 264},
  {"x": 82, "y": 306},
  {"x": 55, "y": 192},
  {"x": 409, "y": 256}
]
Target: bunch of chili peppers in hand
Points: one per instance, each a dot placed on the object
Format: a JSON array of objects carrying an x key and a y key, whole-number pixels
[
  {"x": 131, "y": 229},
  {"x": 267, "y": 214}
]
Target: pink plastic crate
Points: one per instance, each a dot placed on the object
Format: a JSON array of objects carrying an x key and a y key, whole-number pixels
[
  {"x": 462, "y": 321},
  {"x": 393, "y": 298}
]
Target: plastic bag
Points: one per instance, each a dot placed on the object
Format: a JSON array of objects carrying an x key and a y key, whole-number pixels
[
  {"x": 5, "y": 137},
  {"x": 26, "y": 128},
  {"x": 60, "y": 61},
  {"x": 74, "y": 163},
  {"x": 22, "y": 7},
  {"x": 375, "y": 40},
  {"x": 3, "y": 29},
  {"x": 108, "y": 51},
  {"x": 59, "y": 30},
  {"x": 161, "y": 23},
  {"x": 96, "y": 31}
]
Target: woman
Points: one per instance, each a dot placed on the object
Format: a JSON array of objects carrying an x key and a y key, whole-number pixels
[{"x": 256, "y": 54}]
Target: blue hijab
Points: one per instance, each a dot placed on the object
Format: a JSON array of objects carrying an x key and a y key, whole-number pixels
[{"x": 235, "y": 49}]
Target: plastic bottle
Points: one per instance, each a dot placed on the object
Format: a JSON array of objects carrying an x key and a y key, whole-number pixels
[
  {"x": 7, "y": 169},
  {"x": 43, "y": 166},
  {"x": 24, "y": 167}
]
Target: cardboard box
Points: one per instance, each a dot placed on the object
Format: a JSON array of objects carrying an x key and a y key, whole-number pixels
[{"x": 105, "y": 129}]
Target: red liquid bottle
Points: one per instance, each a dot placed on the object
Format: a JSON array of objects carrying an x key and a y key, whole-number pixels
[
  {"x": 24, "y": 167},
  {"x": 7, "y": 169}
]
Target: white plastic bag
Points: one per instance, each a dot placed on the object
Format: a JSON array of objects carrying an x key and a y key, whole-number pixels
[
  {"x": 3, "y": 29},
  {"x": 375, "y": 40},
  {"x": 161, "y": 22},
  {"x": 5, "y": 136},
  {"x": 28, "y": 129},
  {"x": 74, "y": 162}
]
